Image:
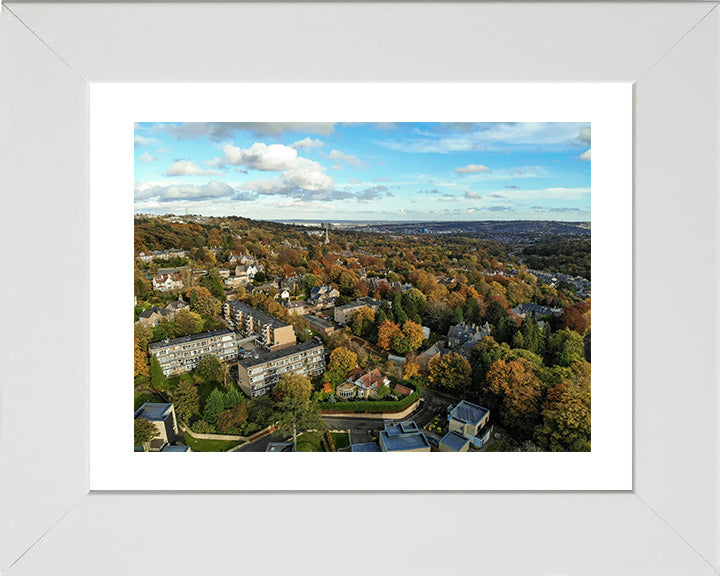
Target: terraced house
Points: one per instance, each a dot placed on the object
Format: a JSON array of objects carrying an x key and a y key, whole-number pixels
[
  {"x": 270, "y": 332},
  {"x": 181, "y": 355},
  {"x": 257, "y": 375}
]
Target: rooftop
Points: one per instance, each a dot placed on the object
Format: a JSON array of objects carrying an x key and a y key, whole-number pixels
[
  {"x": 276, "y": 354},
  {"x": 455, "y": 441},
  {"x": 365, "y": 447},
  {"x": 171, "y": 448},
  {"x": 259, "y": 315},
  {"x": 153, "y": 410},
  {"x": 191, "y": 338},
  {"x": 468, "y": 412}
]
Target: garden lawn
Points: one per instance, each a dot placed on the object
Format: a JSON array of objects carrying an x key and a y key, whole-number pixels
[
  {"x": 198, "y": 445},
  {"x": 341, "y": 439},
  {"x": 310, "y": 442}
]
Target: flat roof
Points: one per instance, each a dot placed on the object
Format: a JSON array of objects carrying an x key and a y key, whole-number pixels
[
  {"x": 365, "y": 447},
  {"x": 398, "y": 428},
  {"x": 191, "y": 338},
  {"x": 455, "y": 441},
  {"x": 171, "y": 448},
  {"x": 468, "y": 412},
  {"x": 275, "y": 354},
  {"x": 404, "y": 441},
  {"x": 258, "y": 315},
  {"x": 153, "y": 410}
]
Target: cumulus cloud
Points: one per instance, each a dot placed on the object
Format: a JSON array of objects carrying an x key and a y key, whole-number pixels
[
  {"x": 307, "y": 142},
  {"x": 346, "y": 158},
  {"x": 472, "y": 195},
  {"x": 188, "y": 168},
  {"x": 213, "y": 190},
  {"x": 273, "y": 158},
  {"x": 584, "y": 137},
  {"x": 585, "y": 155},
  {"x": 145, "y": 157},
  {"x": 472, "y": 169},
  {"x": 223, "y": 130},
  {"x": 373, "y": 193}
]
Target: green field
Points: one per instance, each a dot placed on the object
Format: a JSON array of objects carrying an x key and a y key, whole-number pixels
[
  {"x": 341, "y": 439},
  {"x": 310, "y": 442}
]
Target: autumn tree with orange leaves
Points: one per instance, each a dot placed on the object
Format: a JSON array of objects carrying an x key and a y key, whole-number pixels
[{"x": 517, "y": 391}]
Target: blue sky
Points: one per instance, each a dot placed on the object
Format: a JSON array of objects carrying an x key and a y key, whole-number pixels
[{"x": 365, "y": 171}]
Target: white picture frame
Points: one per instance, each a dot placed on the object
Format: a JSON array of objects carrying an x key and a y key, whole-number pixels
[{"x": 49, "y": 523}]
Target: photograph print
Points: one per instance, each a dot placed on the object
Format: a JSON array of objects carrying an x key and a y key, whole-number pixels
[{"x": 362, "y": 287}]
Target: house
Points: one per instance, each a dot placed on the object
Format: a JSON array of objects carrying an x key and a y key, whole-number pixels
[
  {"x": 428, "y": 354},
  {"x": 181, "y": 355},
  {"x": 152, "y": 316},
  {"x": 284, "y": 295},
  {"x": 462, "y": 337},
  {"x": 162, "y": 415},
  {"x": 403, "y": 437},
  {"x": 365, "y": 383},
  {"x": 403, "y": 287},
  {"x": 402, "y": 390},
  {"x": 246, "y": 272},
  {"x": 453, "y": 442},
  {"x": 258, "y": 374},
  {"x": 224, "y": 273},
  {"x": 323, "y": 296},
  {"x": 295, "y": 307},
  {"x": 471, "y": 422},
  {"x": 270, "y": 332},
  {"x": 535, "y": 311},
  {"x": 167, "y": 282},
  {"x": 173, "y": 308},
  {"x": 319, "y": 325},
  {"x": 365, "y": 447},
  {"x": 343, "y": 314}
]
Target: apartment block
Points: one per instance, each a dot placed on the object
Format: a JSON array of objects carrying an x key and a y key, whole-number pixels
[
  {"x": 343, "y": 314},
  {"x": 181, "y": 355},
  {"x": 270, "y": 332},
  {"x": 257, "y": 375}
]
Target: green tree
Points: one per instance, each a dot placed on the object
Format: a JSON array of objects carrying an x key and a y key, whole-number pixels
[
  {"x": 458, "y": 317},
  {"x": 383, "y": 392},
  {"x": 232, "y": 398},
  {"x": 295, "y": 415},
  {"x": 186, "y": 400},
  {"x": 232, "y": 418},
  {"x": 188, "y": 322},
  {"x": 342, "y": 360},
  {"x": 144, "y": 335},
  {"x": 565, "y": 347},
  {"x": 293, "y": 386},
  {"x": 145, "y": 431},
  {"x": 157, "y": 377},
  {"x": 495, "y": 313},
  {"x": 214, "y": 405},
  {"x": 209, "y": 369}
]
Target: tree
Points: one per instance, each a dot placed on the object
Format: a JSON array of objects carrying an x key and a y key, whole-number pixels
[
  {"x": 450, "y": 371},
  {"x": 157, "y": 377},
  {"x": 145, "y": 431},
  {"x": 362, "y": 322},
  {"x": 186, "y": 400},
  {"x": 565, "y": 347},
  {"x": 517, "y": 390},
  {"x": 232, "y": 397},
  {"x": 188, "y": 322},
  {"x": 232, "y": 418},
  {"x": 386, "y": 331},
  {"x": 141, "y": 363},
  {"x": 383, "y": 392},
  {"x": 144, "y": 335},
  {"x": 342, "y": 360},
  {"x": 293, "y": 386},
  {"x": 414, "y": 333},
  {"x": 209, "y": 369},
  {"x": 213, "y": 406},
  {"x": 298, "y": 414},
  {"x": 457, "y": 317},
  {"x": 411, "y": 369},
  {"x": 496, "y": 312},
  {"x": 208, "y": 306}
]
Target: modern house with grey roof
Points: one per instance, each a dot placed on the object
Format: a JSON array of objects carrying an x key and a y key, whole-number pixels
[
  {"x": 181, "y": 355},
  {"x": 258, "y": 374},
  {"x": 271, "y": 333},
  {"x": 462, "y": 337},
  {"x": 403, "y": 437},
  {"x": 162, "y": 415},
  {"x": 470, "y": 421},
  {"x": 453, "y": 442}
]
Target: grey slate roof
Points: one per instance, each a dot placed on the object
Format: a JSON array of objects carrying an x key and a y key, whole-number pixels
[
  {"x": 275, "y": 354},
  {"x": 191, "y": 338}
]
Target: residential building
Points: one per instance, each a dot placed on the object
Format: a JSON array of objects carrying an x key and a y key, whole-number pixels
[
  {"x": 162, "y": 415},
  {"x": 246, "y": 272},
  {"x": 323, "y": 297},
  {"x": 462, "y": 337},
  {"x": 167, "y": 282},
  {"x": 319, "y": 325},
  {"x": 270, "y": 332},
  {"x": 365, "y": 383},
  {"x": 181, "y": 355},
  {"x": 258, "y": 374},
  {"x": 152, "y": 316},
  {"x": 403, "y": 437},
  {"x": 535, "y": 311},
  {"x": 295, "y": 306},
  {"x": 365, "y": 447},
  {"x": 343, "y": 314},
  {"x": 470, "y": 421},
  {"x": 453, "y": 442}
]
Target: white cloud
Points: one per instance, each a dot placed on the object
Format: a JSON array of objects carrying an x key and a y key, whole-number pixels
[
  {"x": 145, "y": 157},
  {"x": 195, "y": 192},
  {"x": 188, "y": 168},
  {"x": 346, "y": 158},
  {"x": 308, "y": 142},
  {"x": 585, "y": 136},
  {"x": 273, "y": 158},
  {"x": 585, "y": 155},
  {"x": 472, "y": 169},
  {"x": 143, "y": 140},
  {"x": 224, "y": 130},
  {"x": 547, "y": 194}
]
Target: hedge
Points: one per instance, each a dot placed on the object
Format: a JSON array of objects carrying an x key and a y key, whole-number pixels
[{"x": 375, "y": 405}]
